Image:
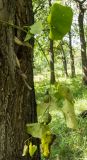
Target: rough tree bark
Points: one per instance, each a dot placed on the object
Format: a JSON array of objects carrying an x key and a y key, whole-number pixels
[
  {"x": 52, "y": 72},
  {"x": 80, "y": 5},
  {"x": 83, "y": 42},
  {"x": 71, "y": 56},
  {"x": 17, "y": 102}
]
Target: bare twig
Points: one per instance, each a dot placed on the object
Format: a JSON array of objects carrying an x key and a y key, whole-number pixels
[{"x": 80, "y": 2}]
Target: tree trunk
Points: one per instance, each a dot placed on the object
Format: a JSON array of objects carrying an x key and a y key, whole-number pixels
[
  {"x": 82, "y": 41},
  {"x": 71, "y": 56},
  {"x": 17, "y": 101},
  {"x": 52, "y": 72},
  {"x": 64, "y": 60}
]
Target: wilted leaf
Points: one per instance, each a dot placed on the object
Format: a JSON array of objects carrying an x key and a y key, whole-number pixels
[
  {"x": 69, "y": 113},
  {"x": 37, "y": 129},
  {"x": 32, "y": 149},
  {"x": 25, "y": 150},
  {"x": 20, "y": 43},
  {"x": 46, "y": 142},
  {"x": 17, "y": 62}
]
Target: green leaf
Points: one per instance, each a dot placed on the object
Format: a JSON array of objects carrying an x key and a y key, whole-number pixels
[
  {"x": 45, "y": 118},
  {"x": 69, "y": 114},
  {"x": 28, "y": 36},
  {"x": 41, "y": 108},
  {"x": 37, "y": 129},
  {"x": 36, "y": 28},
  {"x": 60, "y": 20}
]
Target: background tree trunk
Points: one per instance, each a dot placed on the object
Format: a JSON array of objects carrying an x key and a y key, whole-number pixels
[
  {"x": 80, "y": 4},
  {"x": 64, "y": 60},
  {"x": 17, "y": 102},
  {"x": 52, "y": 72},
  {"x": 82, "y": 41},
  {"x": 71, "y": 56}
]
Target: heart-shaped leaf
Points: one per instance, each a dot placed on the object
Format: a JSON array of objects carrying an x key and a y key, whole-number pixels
[
  {"x": 60, "y": 20},
  {"x": 32, "y": 149}
]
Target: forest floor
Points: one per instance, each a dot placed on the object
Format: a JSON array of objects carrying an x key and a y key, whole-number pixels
[{"x": 70, "y": 144}]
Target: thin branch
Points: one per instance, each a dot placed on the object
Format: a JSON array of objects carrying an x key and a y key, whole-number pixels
[
  {"x": 42, "y": 51},
  {"x": 77, "y": 1},
  {"x": 12, "y": 25},
  {"x": 80, "y": 2},
  {"x": 83, "y": 1}
]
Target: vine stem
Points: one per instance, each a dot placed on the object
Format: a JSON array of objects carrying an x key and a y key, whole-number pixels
[
  {"x": 27, "y": 140},
  {"x": 42, "y": 51},
  {"x": 13, "y": 25}
]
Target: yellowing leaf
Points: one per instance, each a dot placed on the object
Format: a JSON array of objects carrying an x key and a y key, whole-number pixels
[
  {"x": 32, "y": 149},
  {"x": 69, "y": 113},
  {"x": 25, "y": 150},
  {"x": 46, "y": 151},
  {"x": 17, "y": 62},
  {"x": 20, "y": 43}
]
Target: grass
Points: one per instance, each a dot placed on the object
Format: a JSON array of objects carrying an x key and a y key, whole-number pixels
[{"x": 69, "y": 144}]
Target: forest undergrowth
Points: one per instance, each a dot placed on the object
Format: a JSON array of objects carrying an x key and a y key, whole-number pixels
[{"x": 70, "y": 144}]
